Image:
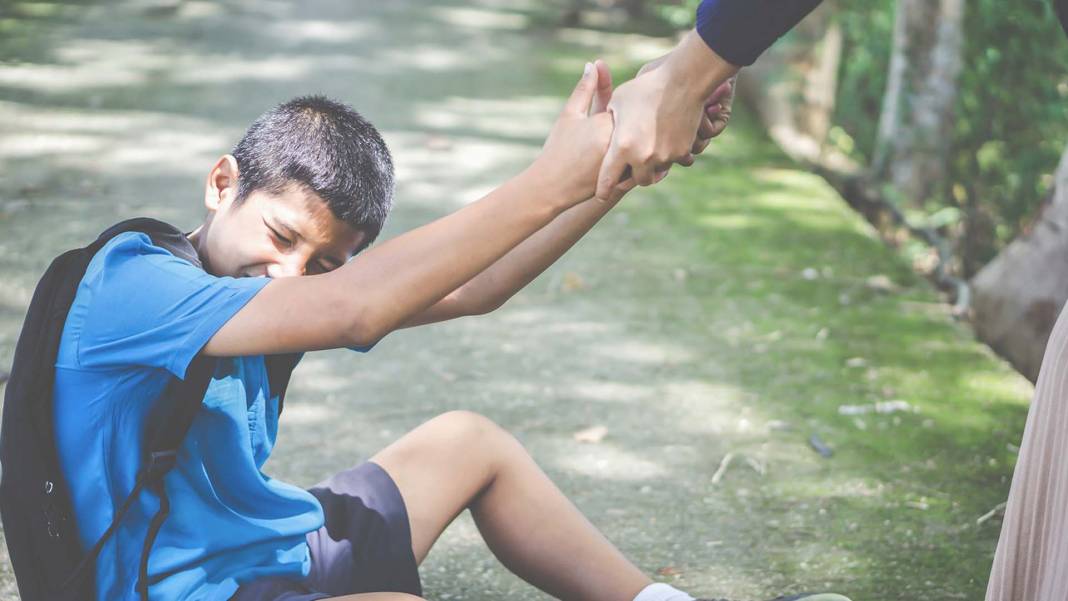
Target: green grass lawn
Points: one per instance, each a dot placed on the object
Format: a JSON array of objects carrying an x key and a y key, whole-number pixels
[{"x": 762, "y": 267}]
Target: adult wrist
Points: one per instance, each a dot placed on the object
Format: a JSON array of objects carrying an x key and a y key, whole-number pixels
[{"x": 695, "y": 69}]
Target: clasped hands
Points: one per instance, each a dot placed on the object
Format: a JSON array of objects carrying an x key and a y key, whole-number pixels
[
  {"x": 656, "y": 124},
  {"x": 632, "y": 135}
]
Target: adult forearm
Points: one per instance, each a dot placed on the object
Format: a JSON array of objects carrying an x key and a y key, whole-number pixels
[
  {"x": 510, "y": 274},
  {"x": 396, "y": 280}
]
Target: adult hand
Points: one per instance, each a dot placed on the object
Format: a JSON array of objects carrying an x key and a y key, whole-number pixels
[
  {"x": 717, "y": 114},
  {"x": 665, "y": 115}
]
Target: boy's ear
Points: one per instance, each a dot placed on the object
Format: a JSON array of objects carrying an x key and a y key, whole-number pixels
[{"x": 221, "y": 188}]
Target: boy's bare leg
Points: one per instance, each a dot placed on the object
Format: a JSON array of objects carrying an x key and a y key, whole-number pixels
[{"x": 463, "y": 460}]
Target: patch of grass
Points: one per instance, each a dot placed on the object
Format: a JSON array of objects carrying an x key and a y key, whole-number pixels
[{"x": 765, "y": 269}]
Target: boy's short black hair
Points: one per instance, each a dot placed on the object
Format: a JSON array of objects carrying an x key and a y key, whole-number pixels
[{"x": 328, "y": 148}]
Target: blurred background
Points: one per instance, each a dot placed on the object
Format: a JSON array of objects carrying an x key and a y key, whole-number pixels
[{"x": 801, "y": 364}]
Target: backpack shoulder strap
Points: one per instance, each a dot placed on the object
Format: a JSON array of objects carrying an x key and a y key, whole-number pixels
[
  {"x": 183, "y": 401},
  {"x": 162, "y": 234},
  {"x": 279, "y": 370}
]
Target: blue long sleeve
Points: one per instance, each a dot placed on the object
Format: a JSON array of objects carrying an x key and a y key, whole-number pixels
[{"x": 741, "y": 30}]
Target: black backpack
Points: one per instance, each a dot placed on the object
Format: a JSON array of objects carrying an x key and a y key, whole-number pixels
[{"x": 35, "y": 506}]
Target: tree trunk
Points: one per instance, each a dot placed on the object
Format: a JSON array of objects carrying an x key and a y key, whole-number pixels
[
  {"x": 1018, "y": 295},
  {"x": 912, "y": 144},
  {"x": 793, "y": 85}
]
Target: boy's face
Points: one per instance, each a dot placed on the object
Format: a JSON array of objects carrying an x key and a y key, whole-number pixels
[{"x": 276, "y": 235}]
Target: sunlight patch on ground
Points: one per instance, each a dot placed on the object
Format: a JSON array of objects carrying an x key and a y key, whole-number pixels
[
  {"x": 479, "y": 19},
  {"x": 112, "y": 142},
  {"x": 610, "y": 392},
  {"x": 606, "y": 461},
  {"x": 30, "y": 145},
  {"x": 494, "y": 117},
  {"x": 307, "y": 413},
  {"x": 223, "y": 69},
  {"x": 450, "y": 178},
  {"x": 296, "y": 32},
  {"x": 87, "y": 64},
  {"x": 729, "y": 221},
  {"x": 645, "y": 353},
  {"x": 429, "y": 57}
]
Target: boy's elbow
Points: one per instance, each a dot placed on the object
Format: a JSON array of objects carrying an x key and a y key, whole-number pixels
[
  {"x": 363, "y": 330},
  {"x": 484, "y": 305}
]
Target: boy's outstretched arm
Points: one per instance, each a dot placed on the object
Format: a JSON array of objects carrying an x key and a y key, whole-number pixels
[
  {"x": 377, "y": 292},
  {"x": 490, "y": 289}
]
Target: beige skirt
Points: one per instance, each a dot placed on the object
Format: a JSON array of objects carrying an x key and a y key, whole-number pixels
[{"x": 1031, "y": 562}]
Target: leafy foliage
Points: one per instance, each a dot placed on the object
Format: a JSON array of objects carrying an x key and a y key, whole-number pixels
[{"x": 1011, "y": 119}]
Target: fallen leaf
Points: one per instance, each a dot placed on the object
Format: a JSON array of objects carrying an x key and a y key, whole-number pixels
[
  {"x": 438, "y": 143},
  {"x": 572, "y": 282},
  {"x": 669, "y": 571}
]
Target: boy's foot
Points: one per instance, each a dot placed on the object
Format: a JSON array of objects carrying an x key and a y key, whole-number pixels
[
  {"x": 801, "y": 597},
  {"x": 812, "y": 597}
]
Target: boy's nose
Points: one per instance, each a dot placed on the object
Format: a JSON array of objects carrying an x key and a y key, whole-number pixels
[{"x": 285, "y": 267}]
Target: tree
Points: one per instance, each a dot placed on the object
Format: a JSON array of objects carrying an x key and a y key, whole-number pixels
[
  {"x": 913, "y": 142},
  {"x": 1019, "y": 295}
]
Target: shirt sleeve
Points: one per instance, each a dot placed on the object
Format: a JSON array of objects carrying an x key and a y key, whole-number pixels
[
  {"x": 741, "y": 30},
  {"x": 147, "y": 307}
]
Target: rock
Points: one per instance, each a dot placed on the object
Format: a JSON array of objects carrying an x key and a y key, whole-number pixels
[
  {"x": 777, "y": 425},
  {"x": 820, "y": 447},
  {"x": 881, "y": 283},
  {"x": 592, "y": 435}
]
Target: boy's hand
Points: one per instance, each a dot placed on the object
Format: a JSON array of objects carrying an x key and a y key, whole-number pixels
[{"x": 571, "y": 157}]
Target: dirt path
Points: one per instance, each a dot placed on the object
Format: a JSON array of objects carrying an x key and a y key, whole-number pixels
[{"x": 688, "y": 331}]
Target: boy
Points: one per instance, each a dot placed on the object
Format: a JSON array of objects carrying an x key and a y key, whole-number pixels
[{"x": 306, "y": 189}]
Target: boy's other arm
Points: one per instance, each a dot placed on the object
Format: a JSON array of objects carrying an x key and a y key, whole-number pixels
[
  {"x": 374, "y": 294},
  {"x": 490, "y": 289}
]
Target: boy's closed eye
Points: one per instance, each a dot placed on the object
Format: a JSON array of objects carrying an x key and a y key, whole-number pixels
[
  {"x": 278, "y": 237},
  {"x": 285, "y": 240}
]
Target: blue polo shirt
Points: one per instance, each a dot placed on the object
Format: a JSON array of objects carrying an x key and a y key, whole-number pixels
[{"x": 139, "y": 318}]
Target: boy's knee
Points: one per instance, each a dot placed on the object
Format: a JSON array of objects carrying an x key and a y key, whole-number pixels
[
  {"x": 468, "y": 424},
  {"x": 473, "y": 429}
]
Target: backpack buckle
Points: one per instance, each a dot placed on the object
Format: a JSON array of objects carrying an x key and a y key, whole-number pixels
[{"x": 160, "y": 462}]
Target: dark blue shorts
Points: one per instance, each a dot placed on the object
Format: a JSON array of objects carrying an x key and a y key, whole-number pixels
[{"x": 365, "y": 546}]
